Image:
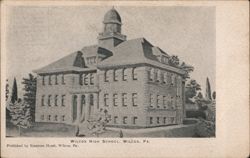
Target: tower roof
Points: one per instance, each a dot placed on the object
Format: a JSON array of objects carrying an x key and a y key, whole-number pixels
[{"x": 112, "y": 16}]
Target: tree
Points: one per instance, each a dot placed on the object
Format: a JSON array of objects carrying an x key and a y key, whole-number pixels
[
  {"x": 20, "y": 114},
  {"x": 187, "y": 69},
  {"x": 191, "y": 90},
  {"x": 214, "y": 95},
  {"x": 7, "y": 90},
  {"x": 30, "y": 93},
  {"x": 208, "y": 90},
  {"x": 14, "y": 95},
  {"x": 174, "y": 61}
]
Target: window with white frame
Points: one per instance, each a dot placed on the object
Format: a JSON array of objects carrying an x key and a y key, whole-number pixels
[
  {"x": 115, "y": 75},
  {"x": 124, "y": 99},
  {"x": 134, "y": 74},
  {"x": 106, "y": 97},
  {"x": 134, "y": 99},
  {"x": 115, "y": 99}
]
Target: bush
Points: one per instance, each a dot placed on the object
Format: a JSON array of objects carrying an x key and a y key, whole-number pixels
[{"x": 196, "y": 114}]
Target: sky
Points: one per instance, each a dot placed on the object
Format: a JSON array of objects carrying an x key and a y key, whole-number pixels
[{"x": 37, "y": 36}]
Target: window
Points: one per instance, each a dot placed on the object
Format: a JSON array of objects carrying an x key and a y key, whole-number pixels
[
  {"x": 151, "y": 100},
  {"x": 49, "y": 97},
  {"x": 158, "y": 101},
  {"x": 106, "y": 99},
  {"x": 49, "y": 117},
  {"x": 172, "y": 119},
  {"x": 165, "y": 78},
  {"x": 124, "y": 99},
  {"x": 164, "y": 120},
  {"x": 164, "y": 102},
  {"x": 50, "y": 80},
  {"x": 42, "y": 101},
  {"x": 134, "y": 120},
  {"x": 134, "y": 99},
  {"x": 172, "y": 79},
  {"x": 158, "y": 76},
  {"x": 43, "y": 80},
  {"x": 55, "y": 117},
  {"x": 151, "y": 74},
  {"x": 172, "y": 103},
  {"x": 56, "y": 96},
  {"x": 80, "y": 79},
  {"x": 125, "y": 120},
  {"x": 151, "y": 120},
  {"x": 63, "y": 98},
  {"x": 42, "y": 117},
  {"x": 91, "y": 79},
  {"x": 106, "y": 76},
  {"x": 83, "y": 100},
  {"x": 115, "y": 99},
  {"x": 134, "y": 74},
  {"x": 124, "y": 74},
  {"x": 115, "y": 75},
  {"x": 63, "y": 79},
  {"x": 85, "y": 80},
  {"x": 63, "y": 117},
  {"x": 115, "y": 119},
  {"x": 56, "y": 82},
  {"x": 91, "y": 99},
  {"x": 158, "y": 120}
]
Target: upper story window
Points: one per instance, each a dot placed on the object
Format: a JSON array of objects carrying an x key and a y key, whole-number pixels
[
  {"x": 164, "y": 101},
  {"x": 172, "y": 79},
  {"x": 106, "y": 79},
  {"x": 49, "y": 117},
  {"x": 91, "y": 79},
  {"x": 55, "y": 117},
  {"x": 115, "y": 99},
  {"x": 164, "y": 59},
  {"x": 63, "y": 100},
  {"x": 158, "y": 101},
  {"x": 151, "y": 100},
  {"x": 158, "y": 78},
  {"x": 63, "y": 79},
  {"x": 56, "y": 82},
  {"x": 115, "y": 75},
  {"x": 50, "y": 80},
  {"x": 134, "y": 74},
  {"x": 91, "y": 60},
  {"x": 80, "y": 79},
  {"x": 124, "y": 74},
  {"x": 43, "y": 80},
  {"x": 151, "y": 74},
  {"x": 49, "y": 98},
  {"x": 151, "y": 120},
  {"x": 124, "y": 99},
  {"x": 165, "y": 78},
  {"x": 106, "y": 99},
  {"x": 134, "y": 99},
  {"x": 85, "y": 80},
  {"x": 42, "y": 101},
  {"x": 56, "y": 98}
]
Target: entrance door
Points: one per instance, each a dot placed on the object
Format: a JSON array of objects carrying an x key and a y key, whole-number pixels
[{"x": 74, "y": 111}]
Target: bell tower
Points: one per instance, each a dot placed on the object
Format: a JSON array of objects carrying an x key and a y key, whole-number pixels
[{"x": 111, "y": 35}]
